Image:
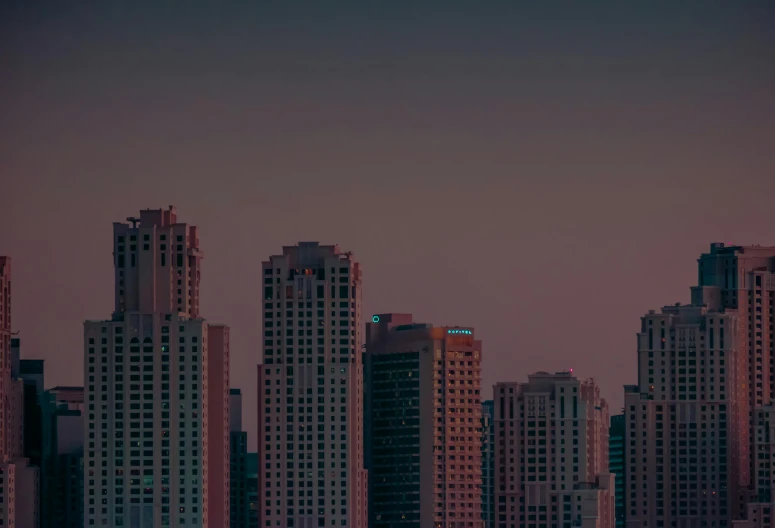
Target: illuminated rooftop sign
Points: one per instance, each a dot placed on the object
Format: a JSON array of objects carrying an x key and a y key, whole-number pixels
[
  {"x": 374, "y": 318},
  {"x": 455, "y": 331}
]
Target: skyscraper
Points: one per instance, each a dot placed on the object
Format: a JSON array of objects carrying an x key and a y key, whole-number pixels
[
  {"x": 62, "y": 470},
  {"x": 616, "y": 464},
  {"x": 551, "y": 437},
  {"x": 310, "y": 401},
  {"x": 759, "y": 511},
  {"x": 488, "y": 464},
  {"x": 741, "y": 279},
  {"x": 7, "y": 469},
  {"x": 218, "y": 458},
  {"x": 238, "y": 452},
  {"x": 31, "y": 374},
  {"x": 251, "y": 485},
  {"x": 423, "y": 424},
  {"x": 686, "y": 439},
  {"x": 244, "y": 469},
  {"x": 19, "y": 482},
  {"x": 704, "y": 372},
  {"x": 5, "y": 355},
  {"x": 148, "y": 370}
]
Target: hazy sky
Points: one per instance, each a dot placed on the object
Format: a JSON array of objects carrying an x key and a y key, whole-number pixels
[{"x": 546, "y": 175}]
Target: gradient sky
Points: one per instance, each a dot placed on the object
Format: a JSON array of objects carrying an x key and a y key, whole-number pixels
[{"x": 546, "y": 174}]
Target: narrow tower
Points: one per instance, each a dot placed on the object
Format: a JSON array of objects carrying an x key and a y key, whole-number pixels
[
  {"x": 423, "y": 424},
  {"x": 156, "y": 387},
  {"x": 310, "y": 401},
  {"x": 19, "y": 481}
]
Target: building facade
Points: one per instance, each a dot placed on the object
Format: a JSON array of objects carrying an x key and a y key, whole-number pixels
[
  {"x": 705, "y": 381},
  {"x": 616, "y": 448},
  {"x": 238, "y": 452},
  {"x": 7, "y": 468},
  {"x": 423, "y": 424},
  {"x": 759, "y": 511},
  {"x": 551, "y": 437},
  {"x": 218, "y": 457},
  {"x": 686, "y": 436},
  {"x": 19, "y": 494},
  {"x": 147, "y": 455},
  {"x": 488, "y": 464},
  {"x": 251, "y": 479},
  {"x": 5, "y": 356},
  {"x": 741, "y": 280},
  {"x": 31, "y": 374},
  {"x": 62, "y": 466},
  {"x": 310, "y": 412},
  {"x": 19, "y": 481}
]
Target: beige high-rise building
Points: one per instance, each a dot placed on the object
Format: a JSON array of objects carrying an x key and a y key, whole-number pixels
[
  {"x": 152, "y": 418},
  {"x": 551, "y": 458},
  {"x": 741, "y": 280},
  {"x": 19, "y": 494},
  {"x": 760, "y": 511},
  {"x": 705, "y": 372},
  {"x": 685, "y": 446},
  {"x": 310, "y": 390},
  {"x": 423, "y": 424}
]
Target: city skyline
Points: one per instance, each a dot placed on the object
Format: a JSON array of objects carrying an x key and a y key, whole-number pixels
[
  {"x": 396, "y": 265},
  {"x": 549, "y": 363},
  {"x": 503, "y": 167},
  {"x": 701, "y": 366}
]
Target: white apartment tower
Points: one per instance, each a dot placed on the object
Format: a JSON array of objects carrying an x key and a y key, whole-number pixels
[
  {"x": 150, "y": 409},
  {"x": 310, "y": 401},
  {"x": 551, "y": 454}
]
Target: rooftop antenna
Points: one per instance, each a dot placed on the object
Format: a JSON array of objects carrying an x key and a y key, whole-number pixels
[{"x": 133, "y": 220}]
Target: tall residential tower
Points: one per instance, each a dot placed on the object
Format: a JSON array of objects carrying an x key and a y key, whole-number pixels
[
  {"x": 705, "y": 374},
  {"x": 310, "y": 401},
  {"x": 423, "y": 424},
  {"x": 741, "y": 280},
  {"x": 686, "y": 426},
  {"x": 551, "y": 437},
  {"x": 156, "y": 380}
]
